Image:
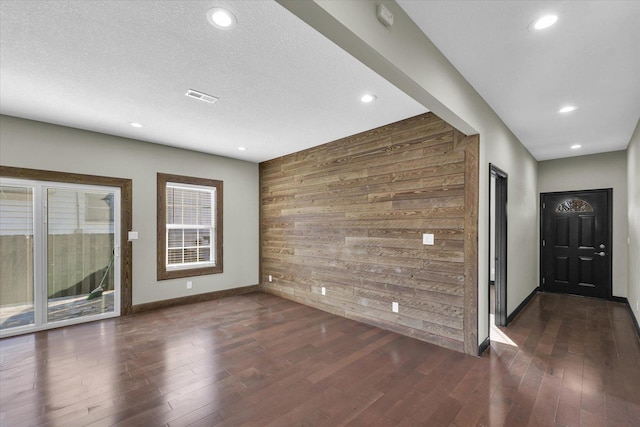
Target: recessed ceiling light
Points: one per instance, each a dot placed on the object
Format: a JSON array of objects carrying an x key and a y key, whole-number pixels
[
  {"x": 576, "y": 146},
  {"x": 567, "y": 109},
  {"x": 544, "y": 22},
  {"x": 242, "y": 148},
  {"x": 368, "y": 98},
  {"x": 221, "y": 18},
  {"x": 135, "y": 125}
]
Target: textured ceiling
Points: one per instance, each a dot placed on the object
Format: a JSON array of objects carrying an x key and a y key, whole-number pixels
[
  {"x": 590, "y": 58},
  {"x": 283, "y": 87},
  {"x": 98, "y": 65}
]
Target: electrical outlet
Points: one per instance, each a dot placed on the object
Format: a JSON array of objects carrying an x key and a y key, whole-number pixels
[
  {"x": 394, "y": 307},
  {"x": 270, "y": 278},
  {"x": 323, "y": 290},
  {"x": 189, "y": 284}
]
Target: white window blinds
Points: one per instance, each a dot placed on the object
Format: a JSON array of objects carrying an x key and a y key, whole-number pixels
[{"x": 190, "y": 225}]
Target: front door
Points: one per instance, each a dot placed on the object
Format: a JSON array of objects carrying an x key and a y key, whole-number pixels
[{"x": 576, "y": 243}]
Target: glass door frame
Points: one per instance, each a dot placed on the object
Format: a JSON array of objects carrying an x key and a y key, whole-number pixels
[
  {"x": 36, "y": 215},
  {"x": 116, "y": 252},
  {"x": 40, "y": 253},
  {"x": 126, "y": 218}
]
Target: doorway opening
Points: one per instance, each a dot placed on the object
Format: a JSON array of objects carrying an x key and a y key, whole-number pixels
[{"x": 497, "y": 247}]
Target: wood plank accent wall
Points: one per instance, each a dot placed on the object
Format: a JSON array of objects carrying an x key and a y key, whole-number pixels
[{"x": 349, "y": 216}]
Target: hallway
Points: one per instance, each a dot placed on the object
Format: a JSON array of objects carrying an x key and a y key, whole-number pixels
[{"x": 579, "y": 357}]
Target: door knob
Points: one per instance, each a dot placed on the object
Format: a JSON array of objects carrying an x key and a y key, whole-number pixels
[{"x": 599, "y": 253}]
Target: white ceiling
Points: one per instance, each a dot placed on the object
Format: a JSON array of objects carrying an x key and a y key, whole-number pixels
[
  {"x": 283, "y": 87},
  {"x": 590, "y": 58},
  {"x": 98, "y": 65}
]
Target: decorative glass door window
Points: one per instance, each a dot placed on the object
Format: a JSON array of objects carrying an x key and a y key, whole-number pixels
[{"x": 574, "y": 205}]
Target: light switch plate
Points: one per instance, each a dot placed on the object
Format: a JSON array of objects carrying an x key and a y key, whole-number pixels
[
  {"x": 324, "y": 290},
  {"x": 394, "y": 307},
  {"x": 427, "y": 239},
  {"x": 133, "y": 235}
]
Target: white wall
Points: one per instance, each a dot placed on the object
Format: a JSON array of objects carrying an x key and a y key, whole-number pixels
[
  {"x": 35, "y": 145},
  {"x": 407, "y": 58},
  {"x": 608, "y": 170},
  {"x": 633, "y": 180}
]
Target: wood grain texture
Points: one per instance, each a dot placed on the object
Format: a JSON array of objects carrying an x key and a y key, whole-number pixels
[
  {"x": 126, "y": 215},
  {"x": 471, "y": 199},
  {"x": 260, "y": 360},
  {"x": 349, "y": 216}
]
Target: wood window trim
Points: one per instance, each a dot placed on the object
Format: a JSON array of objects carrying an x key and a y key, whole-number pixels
[
  {"x": 162, "y": 272},
  {"x": 126, "y": 215}
]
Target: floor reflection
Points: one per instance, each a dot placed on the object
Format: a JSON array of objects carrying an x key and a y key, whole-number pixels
[
  {"x": 497, "y": 334},
  {"x": 63, "y": 308}
]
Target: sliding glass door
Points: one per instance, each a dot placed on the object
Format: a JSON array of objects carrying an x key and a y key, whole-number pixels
[
  {"x": 16, "y": 256},
  {"x": 62, "y": 243}
]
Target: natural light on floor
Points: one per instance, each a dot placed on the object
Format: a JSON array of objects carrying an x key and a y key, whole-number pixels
[{"x": 497, "y": 335}]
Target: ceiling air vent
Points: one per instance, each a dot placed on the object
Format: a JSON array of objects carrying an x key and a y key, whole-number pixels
[{"x": 201, "y": 96}]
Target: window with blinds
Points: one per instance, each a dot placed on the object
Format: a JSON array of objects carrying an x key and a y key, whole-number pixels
[
  {"x": 190, "y": 225},
  {"x": 190, "y": 231}
]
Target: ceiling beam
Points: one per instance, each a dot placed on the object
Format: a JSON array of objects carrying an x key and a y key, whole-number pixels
[{"x": 402, "y": 54}]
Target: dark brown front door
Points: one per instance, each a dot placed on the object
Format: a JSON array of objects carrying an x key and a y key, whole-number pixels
[{"x": 576, "y": 243}]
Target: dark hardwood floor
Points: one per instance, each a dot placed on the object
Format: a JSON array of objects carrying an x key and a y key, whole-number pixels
[{"x": 260, "y": 360}]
